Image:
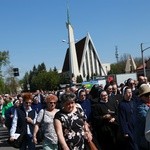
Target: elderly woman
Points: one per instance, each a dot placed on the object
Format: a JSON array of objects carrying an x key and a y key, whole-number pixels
[
  {"x": 23, "y": 123},
  {"x": 127, "y": 120},
  {"x": 104, "y": 117},
  {"x": 45, "y": 118},
  {"x": 70, "y": 124}
]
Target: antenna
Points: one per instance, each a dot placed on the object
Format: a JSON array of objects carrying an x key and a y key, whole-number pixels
[{"x": 116, "y": 53}]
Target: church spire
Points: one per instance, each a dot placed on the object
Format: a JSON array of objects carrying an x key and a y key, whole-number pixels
[
  {"x": 68, "y": 16},
  {"x": 73, "y": 62}
]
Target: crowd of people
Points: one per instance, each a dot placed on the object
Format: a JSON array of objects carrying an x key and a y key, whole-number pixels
[{"x": 112, "y": 116}]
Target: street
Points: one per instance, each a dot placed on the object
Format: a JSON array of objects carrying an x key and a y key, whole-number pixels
[{"x": 3, "y": 141}]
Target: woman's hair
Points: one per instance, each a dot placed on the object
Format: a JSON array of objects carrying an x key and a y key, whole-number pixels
[
  {"x": 68, "y": 96},
  {"x": 51, "y": 97},
  {"x": 27, "y": 96}
]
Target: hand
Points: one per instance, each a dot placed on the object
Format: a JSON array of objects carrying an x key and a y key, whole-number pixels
[
  {"x": 112, "y": 120},
  {"x": 107, "y": 116},
  {"x": 11, "y": 138},
  {"x": 3, "y": 119},
  {"x": 126, "y": 135},
  {"x": 29, "y": 120},
  {"x": 88, "y": 135},
  {"x": 35, "y": 140},
  {"x": 11, "y": 116}
]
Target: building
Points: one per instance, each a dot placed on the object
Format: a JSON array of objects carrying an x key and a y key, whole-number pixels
[
  {"x": 130, "y": 65},
  {"x": 140, "y": 69},
  {"x": 81, "y": 58}
]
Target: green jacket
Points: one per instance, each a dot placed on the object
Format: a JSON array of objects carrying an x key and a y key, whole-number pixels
[{"x": 5, "y": 107}]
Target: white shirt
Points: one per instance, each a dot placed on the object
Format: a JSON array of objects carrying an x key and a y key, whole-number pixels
[{"x": 15, "y": 119}]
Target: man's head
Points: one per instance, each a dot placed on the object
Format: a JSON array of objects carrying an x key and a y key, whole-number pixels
[{"x": 144, "y": 89}]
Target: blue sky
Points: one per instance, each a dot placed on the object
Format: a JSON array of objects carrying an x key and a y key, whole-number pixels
[{"x": 32, "y": 30}]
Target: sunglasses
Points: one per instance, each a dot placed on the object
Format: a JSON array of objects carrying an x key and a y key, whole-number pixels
[{"x": 51, "y": 102}]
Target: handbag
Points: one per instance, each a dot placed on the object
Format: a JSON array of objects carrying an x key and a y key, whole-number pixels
[
  {"x": 40, "y": 133},
  {"x": 16, "y": 143}
]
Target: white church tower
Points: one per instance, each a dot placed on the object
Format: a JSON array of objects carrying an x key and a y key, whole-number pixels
[{"x": 73, "y": 64}]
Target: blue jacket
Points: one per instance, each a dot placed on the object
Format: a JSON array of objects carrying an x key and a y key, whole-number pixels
[{"x": 86, "y": 106}]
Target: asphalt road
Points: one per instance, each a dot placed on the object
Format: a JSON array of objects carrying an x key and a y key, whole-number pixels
[{"x": 3, "y": 141}]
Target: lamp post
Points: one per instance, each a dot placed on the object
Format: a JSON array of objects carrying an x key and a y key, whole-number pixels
[{"x": 142, "y": 51}]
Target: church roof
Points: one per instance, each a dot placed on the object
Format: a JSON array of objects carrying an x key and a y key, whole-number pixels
[
  {"x": 146, "y": 65},
  {"x": 79, "y": 51}
]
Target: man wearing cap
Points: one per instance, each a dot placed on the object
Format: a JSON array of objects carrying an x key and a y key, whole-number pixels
[{"x": 141, "y": 113}]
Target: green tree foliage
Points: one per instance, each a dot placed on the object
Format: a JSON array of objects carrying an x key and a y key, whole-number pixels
[
  {"x": 118, "y": 68},
  {"x": 64, "y": 78},
  {"x": 41, "y": 67},
  {"x": 79, "y": 79},
  {"x": 2, "y": 86},
  {"x": 40, "y": 78},
  {"x": 4, "y": 58},
  {"x": 4, "y": 61}
]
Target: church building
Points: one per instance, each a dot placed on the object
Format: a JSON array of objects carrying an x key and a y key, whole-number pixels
[{"x": 81, "y": 58}]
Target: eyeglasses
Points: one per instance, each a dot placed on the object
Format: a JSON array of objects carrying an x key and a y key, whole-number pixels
[
  {"x": 28, "y": 102},
  {"x": 51, "y": 102},
  {"x": 105, "y": 95},
  {"x": 147, "y": 95}
]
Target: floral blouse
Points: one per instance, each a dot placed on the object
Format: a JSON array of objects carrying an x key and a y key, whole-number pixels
[{"x": 72, "y": 125}]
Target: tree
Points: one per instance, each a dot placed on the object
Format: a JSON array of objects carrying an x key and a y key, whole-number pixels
[
  {"x": 2, "y": 86},
  {"x": 11, "y": 83},
  {"x": 4, "y": 58},
  {"x": 79, "y": 79},
  {"x": 118, "y": 68},
  {"x": 64, "y": 78},
  {"x": 41, "y": 67}
]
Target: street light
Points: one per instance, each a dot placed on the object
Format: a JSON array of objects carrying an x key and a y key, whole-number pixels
[{"x": 142, "y": 51}]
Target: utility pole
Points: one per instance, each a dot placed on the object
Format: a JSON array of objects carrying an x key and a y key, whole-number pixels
[
  {"x": 142, "y": 51},
  {"x": 116, "y": 53}
]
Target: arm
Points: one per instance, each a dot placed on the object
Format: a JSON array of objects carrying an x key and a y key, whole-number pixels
[
  {"x": 36, "y": 129},
  {"x": 59, "y": 132},
  {"x": 14, "y": 125},
  {"x": 30, "y": 120},
  {"x": 39, "y": 121},
  {"x": 3, "y": 110},
  {"x": 87, "y": 131}
]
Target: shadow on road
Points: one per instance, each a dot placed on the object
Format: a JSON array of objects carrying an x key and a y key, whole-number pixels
[{"x": 4, "y": 137}]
